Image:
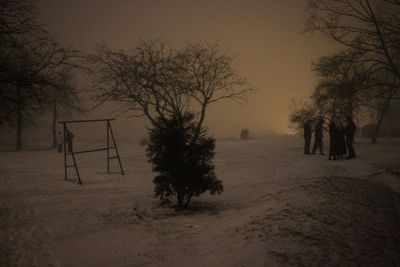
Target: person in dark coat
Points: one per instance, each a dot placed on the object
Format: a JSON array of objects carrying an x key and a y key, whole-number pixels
[
  {"x": 350, "y": 130},
  {"x": 242, "y": 134},
  {"x": 246, "y": 133},
  {"x": 341, "y": 141},
  {"x": 307, "y": 136},
  {"x": 69, "y": 138},
  {"x": 333, "y": 138},
  {"x": 318, "y": 135}
]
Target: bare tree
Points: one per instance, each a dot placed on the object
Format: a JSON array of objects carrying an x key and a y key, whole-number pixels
[
  {"x": 30, "y": 61},
  {"x": 36, "y": 66},
  {"x": 64, "y": 100},
  {"x": 370, "y": 27},
  {"x": 173, "y": 89},
  {"x": 300, "y": 112},
  {"x": 17, "y": 17},
  {"x": 157, "y": 82},
  {"x": 346, "y": 87}
]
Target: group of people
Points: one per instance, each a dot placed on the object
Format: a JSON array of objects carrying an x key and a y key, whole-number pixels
[
  {"x": 244, "y": 134},
  {"x": 341, "y": 138}
]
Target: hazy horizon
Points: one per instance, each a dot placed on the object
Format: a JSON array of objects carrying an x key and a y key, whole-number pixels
[{"x": 264, "y": 36}]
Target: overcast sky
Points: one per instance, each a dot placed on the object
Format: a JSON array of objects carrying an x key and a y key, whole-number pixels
[{"x": 264, "y": 35}]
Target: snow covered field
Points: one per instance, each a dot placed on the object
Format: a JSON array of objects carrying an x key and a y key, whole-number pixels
[{"x": 279, "y": 208}]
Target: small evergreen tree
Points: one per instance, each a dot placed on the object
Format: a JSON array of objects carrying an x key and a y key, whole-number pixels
[
  {"x": 164, "y": 85},
  {"x": 185, "y": 168}
]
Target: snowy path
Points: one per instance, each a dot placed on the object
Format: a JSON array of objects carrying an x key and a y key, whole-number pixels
[{"x": 279, "y": 208}]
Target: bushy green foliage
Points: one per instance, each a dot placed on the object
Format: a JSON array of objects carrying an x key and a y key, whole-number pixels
[{"x": 184, "y": 166}]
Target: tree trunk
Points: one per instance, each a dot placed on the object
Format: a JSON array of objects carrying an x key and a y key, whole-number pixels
[
  {"x": 19, "y": 129},
  {"x": 188, "y": 201},
  {"x": 54, "y": 125},
  {"x": 350, "y": 106},
  {"x": 380, "y": 120},
  {"x": 180, "y": 199}
]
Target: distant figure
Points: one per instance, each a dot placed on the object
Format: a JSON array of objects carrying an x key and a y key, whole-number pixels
[
  {"x": 341, "y": 141},
  {"x": 244, "y": 134},
  {"x": 349, "y": 131},
  {"x": 307, "y": 136},
  {"x": 69, "y": 138},
  {"x": 318, "y": 135},
  {"x": 60, "y": 141},
  {"x": 333, "y": 147}
]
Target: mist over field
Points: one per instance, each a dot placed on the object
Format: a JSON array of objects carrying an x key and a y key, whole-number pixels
[
  {"x": 264, "y": 37},
  {"x": 199, "y": 133}
]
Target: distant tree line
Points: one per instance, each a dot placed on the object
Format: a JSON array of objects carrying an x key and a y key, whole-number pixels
[
  {"x": 365, "y": 75},
  {"x": 35, "y": 72}
]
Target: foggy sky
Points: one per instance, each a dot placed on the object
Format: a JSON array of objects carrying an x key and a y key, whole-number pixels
[{"x": 265, "y": 36}]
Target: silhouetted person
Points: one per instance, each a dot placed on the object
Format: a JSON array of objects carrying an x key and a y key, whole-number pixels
[
  {"x": 60, "y": 141},
  {"x": 333, "y": 137},
  {"x": 69, "y": 138},
  {"x": 341, "y": 141},
  {"x": 349, "y": 131},
  {"x": 307, "y": 136},
  {"x": 242, "y": 133},
  {"x": 318, "y": 135}
]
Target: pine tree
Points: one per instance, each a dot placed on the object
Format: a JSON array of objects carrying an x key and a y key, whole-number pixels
[{"x": 185, "y": 168}]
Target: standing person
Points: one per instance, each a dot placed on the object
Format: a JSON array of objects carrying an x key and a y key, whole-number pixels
[
  {"x": 307, "y": 132},
  {"x": 60, "y": 141},
  {"x": 341, "y": 141},
  {"x": 333, "y": 145},
  {"x": 318, "y": 135},
  {"x": 349, "y": 131},
  {"x": 242, "y": 133},
  {"x": 69, "y": 137}
]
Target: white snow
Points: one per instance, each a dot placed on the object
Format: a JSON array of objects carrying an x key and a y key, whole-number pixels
[{"x": 275, "y": 209}]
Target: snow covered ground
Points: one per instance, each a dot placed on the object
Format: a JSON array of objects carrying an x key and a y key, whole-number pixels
[{"x": 279, "y": 208}]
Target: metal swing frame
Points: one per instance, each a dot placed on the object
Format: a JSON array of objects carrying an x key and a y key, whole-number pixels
[{"x": 73, "y": 153}]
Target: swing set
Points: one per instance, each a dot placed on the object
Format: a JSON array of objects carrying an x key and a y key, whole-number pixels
[{"x": 72, "y": 153}]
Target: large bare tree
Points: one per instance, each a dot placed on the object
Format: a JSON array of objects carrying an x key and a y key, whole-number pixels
[
  {"x": 345, "y": 87},
  {"x": 173, "y": 88},
  {"x": 369, "y": 27},
  {"x": 17, "y": 17},
  {"x": 158, "y": 82},
  {"x": 30, "y": 61}
]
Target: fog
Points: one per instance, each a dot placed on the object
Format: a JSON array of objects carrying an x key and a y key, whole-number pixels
[{"x": 264, "y": 36}]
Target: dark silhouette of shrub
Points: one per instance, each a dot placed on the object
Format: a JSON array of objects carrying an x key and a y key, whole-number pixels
[{"x": 182, "y": 159}]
